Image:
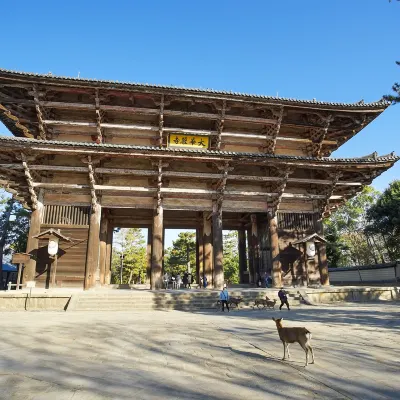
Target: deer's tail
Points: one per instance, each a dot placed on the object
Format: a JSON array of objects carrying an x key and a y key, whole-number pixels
[{"x": 309, "y": 334}]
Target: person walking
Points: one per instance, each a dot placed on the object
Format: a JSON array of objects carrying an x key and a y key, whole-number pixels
[
  {"x": 224, "y": 297},
  {"x": 283, "y": 298},
  {"x": 166, "y": 280},
  {"x": 189, "y": 280},
  {"x": 205, "y": 283}
]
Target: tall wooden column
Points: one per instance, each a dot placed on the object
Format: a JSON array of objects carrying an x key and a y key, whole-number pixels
[
  {"x": 276, "y": 268},
  {"x": 250, "y": 257},
  {"x": 218, "y": 247},
  {"x": 256, "y": 247},
  {"x": 148, "y": 252},
  {"x": 242, "y": 254},
  {"x": 103, "y": 248},
  {"x": 157, "y": 249},
  {"x": 92, "y": 274},
  {"x": 322, "y": 259},
  {"x": 199, "y": 254},
  {"x": 110, "y": 231},
  {"x": 32, "y": 243},
  {"x": 207, "y": 249}
]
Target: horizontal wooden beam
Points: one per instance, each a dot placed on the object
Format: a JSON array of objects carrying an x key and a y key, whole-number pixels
[
  {"x": 183, "y": 192},
  {"x": 176, "y": 174}
]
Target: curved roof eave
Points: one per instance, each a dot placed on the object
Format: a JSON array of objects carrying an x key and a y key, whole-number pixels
[
  {"x": 43, "y": 144},
  {"x": 49, "y": 79}
]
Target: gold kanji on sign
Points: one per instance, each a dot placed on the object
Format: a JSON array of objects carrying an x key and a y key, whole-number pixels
[{"x": 199, "y": 142}]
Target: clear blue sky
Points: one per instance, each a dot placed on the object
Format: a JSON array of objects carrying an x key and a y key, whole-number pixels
[{"x": 336, "y": 50}]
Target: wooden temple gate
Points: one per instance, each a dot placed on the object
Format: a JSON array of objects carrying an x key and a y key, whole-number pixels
[{"x": 88, "y": 156}]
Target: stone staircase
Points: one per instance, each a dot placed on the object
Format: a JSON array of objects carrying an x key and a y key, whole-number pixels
[{"x": 145, "y": 300}]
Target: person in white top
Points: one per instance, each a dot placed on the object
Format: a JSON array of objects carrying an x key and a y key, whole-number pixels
[{"x": 178, "y": 281}]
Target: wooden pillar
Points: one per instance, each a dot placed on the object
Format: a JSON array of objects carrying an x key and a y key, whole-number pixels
[
  {"x": 110, "y": 231},
  {"x": 276, "y": 268},
  {"x": 200, "y": 254},
  {"x": 92, "y": 274},
  {"x": 157, "y": 251},
  {"x": 322, "y": 259},
  {"x": 207, "y": 249},
  {"x": 218, "y": 247},
  {"x": 242, "y": 254},
  {"x": 103, "y": 248},
  {"x": 250, "y": 257},
  {"x": 148, "y": 252},
  {"x": 256, "y": 247},
  {"x": 32, "y": 244}
]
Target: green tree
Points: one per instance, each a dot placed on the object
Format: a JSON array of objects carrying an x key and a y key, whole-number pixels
[
  {"x": 347, "y": 227},
  {"x": 394, "y": 98},
  {"x": 132, "y": 245},
  {"x": 14, "y": 227},
  {"x": 231, "y": 257},
  {"x": 176, "y": 257},
  {"x": 384, "y": 219}
]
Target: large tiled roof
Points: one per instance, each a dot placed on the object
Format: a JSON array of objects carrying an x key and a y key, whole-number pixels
[
  {"x": 206, "y": 92},
  {"x": 27, "y": 143}
]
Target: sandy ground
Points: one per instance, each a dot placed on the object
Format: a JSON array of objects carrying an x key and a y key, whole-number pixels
[{"x": 202, "y": 355}]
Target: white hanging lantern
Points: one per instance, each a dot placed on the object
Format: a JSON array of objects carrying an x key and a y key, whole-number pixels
[
  {"x": 310, "y": 249},
  {"x": 52, "y": 247}
]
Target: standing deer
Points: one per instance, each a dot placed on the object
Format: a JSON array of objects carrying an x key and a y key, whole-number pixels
[{"x": 292, "y": 335}]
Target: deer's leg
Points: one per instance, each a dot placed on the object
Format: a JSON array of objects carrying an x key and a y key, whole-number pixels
[
  {"x": 305, "y": 348},
  {"x": 288, "y": 353},
  {"x": 284, "y": 351},
  {"x": 312, "y": 352}
]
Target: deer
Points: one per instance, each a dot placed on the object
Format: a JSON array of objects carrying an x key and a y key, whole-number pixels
[{"x": 292, "y": 335}]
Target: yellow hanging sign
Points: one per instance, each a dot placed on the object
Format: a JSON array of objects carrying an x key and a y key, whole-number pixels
[{"x": 193, "y": 141}]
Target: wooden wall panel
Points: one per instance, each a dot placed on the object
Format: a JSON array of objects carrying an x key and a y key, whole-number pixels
[{"x": 71, "y": 260}]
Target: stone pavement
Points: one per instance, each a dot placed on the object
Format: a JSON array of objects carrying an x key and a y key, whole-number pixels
[{"x": 203, "y": 355}]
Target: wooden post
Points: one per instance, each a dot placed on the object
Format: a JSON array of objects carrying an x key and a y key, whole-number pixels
[
  {"x": 242, "y": 254},
  {"x": 217, "y": 247},
  {"x": 33, "y": 243},
  {"x": 54, "y": 271},
  {"x": 20, "y": 266},
  {"x": 103, "y": 248},
  {"x": 322, "y": 259},
  {"x": 148, "y": 252},
  {"x": 200, "y": 254},
  {"x": 250, "y": 257},
  {"x": 207, "y": 249},
  {"x": 157, "y": 252},
  {"x": 276, "y": 268},
  {"x": 306, "y": 265},
  {"x": 93, "y": 248},
  {"x": 256, "y": 248},
  {"x": 110, "y": 231}
]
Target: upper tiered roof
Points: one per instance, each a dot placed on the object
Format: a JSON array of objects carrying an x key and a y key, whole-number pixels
[{"x": 76, "y": 109}]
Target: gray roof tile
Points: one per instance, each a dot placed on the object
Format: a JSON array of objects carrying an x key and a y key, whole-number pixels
[{"x": 94, "y": 82}]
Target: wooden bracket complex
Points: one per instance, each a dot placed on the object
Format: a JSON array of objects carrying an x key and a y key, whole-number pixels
[
  {"x": 271, "y": 132},
  {"x": 100, "y": 136},
  {"x": 29, "y": 181},
  {"x": 40, "y": 113}
]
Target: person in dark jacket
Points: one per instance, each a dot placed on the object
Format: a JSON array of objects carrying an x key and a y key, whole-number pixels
[{"x": 283, "y": 298}]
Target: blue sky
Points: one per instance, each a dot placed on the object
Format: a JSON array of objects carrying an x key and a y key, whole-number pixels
[{"x": 336, "y": 50}]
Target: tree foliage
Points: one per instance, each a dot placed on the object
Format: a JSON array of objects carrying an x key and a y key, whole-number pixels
[
  {"x": 349, "y": 243},
  {"x": 384, "y": 219},
  {"x": 132, "y": 245},
  {"x": 231, "y": 257},
  {"x": 14, "y": 227},
  {"x": 394, "y": 98},
  {"x": 176, "y": 257}
]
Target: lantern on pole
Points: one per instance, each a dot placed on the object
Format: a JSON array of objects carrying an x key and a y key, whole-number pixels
[{"x": 54, "y": 237}]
